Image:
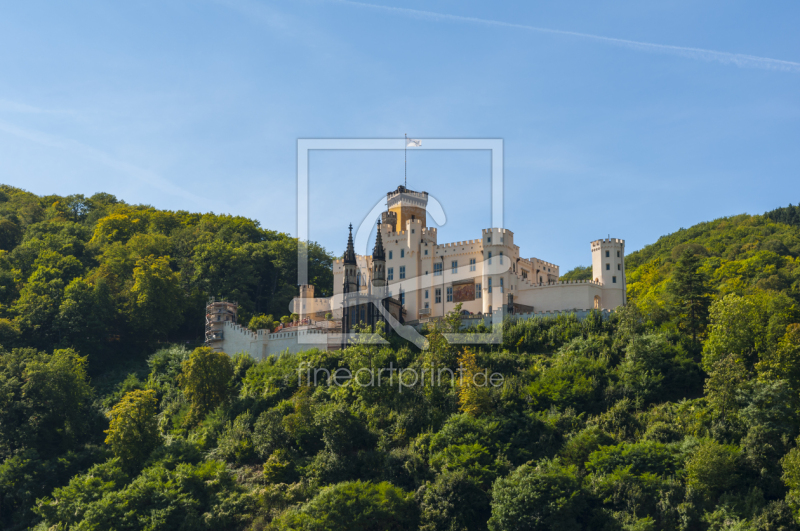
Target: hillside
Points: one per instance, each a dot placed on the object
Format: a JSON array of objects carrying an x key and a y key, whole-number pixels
[
  {"x": 737, "y": 253},
  {"x": 108, "y": 278},
  {"x": 680, "y": 411}
]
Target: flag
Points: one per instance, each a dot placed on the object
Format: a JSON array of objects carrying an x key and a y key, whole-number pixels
[{"x": 410, "y": 142}]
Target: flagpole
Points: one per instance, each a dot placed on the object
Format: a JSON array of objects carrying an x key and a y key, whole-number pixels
[{"x": 405, "y": 163}]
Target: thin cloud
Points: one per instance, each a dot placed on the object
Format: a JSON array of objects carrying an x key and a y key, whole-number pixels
[
  {"x": 88, "y": 152},
  {"x": 17, "y": 107},
  {"x": 737, "y": 59}
]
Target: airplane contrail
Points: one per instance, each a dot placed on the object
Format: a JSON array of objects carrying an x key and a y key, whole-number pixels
[{"x": 737, "y": 59}]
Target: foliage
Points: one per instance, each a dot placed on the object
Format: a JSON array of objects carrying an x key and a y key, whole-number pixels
[
  {"x": 545, "y": 496},
  {"x": 353, "y": 506},
  {"x": 132, "y": 431},
  {"x": 205, "y": 378},
  {"x": 650, "y": 418}
]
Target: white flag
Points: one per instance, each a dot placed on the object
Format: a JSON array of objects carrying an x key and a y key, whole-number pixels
[{"x": 410, "y": 142}]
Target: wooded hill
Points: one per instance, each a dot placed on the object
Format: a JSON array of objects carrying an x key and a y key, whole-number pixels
[
  {"x": 681, "y": 411},
  {"x": 112, "y": 279}
]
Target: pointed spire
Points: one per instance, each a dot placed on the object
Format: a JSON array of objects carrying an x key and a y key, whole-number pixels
[
  {"x": 350, "y": 254},
  {"x": 378, "y": 252}
]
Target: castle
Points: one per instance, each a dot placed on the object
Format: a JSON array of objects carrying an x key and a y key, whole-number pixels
[{"x": 411, "y": 278}]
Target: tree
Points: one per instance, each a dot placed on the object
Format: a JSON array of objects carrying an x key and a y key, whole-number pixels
[
  {"x": 84, "y": 316},
  {"x": 204, "y": 379},
  {"x": 474, "y": 396},
  {"x": 156, "y": 296},
  {"x": 692, "y": 295},
  {"x": 10, "y": 234},
  {"x": 736, "y": 328},
  {"x": 454, "y": 502},
  {"x": 354, "y": 506},
  {"x": 543, "y": 497},
  {"x": 133, "y": 430},
  {"x": 261, "y": 322},
  {"x": 712, "y": 468},
  {"x": 44, "y": 401},
  {"x": 725, "y": 377}
]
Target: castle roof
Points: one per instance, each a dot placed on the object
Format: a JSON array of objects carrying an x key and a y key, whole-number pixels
[
  {"x": 350, "y": 253},
  {"x": 379, "y": 253}
]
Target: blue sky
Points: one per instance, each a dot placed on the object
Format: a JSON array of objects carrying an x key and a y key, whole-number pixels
[{"x": 198, "y": 106}]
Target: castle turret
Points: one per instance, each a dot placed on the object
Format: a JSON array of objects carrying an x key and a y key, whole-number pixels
[
  {"x": 379, "y": 261},
  {"x": 407, "y": 204},
  {"x": 304, "y": 304},
  {"x": 350, "y": 265},
  {"x": 608, "y": 268}
]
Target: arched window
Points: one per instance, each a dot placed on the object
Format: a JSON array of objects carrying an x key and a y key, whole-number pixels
[{"x": 597, "y": 302}]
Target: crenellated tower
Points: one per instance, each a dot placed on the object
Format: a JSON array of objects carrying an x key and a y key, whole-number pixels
[{"x": 407, "y": 204}]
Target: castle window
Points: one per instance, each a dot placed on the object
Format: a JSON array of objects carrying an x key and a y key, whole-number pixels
[
  {"x": 412, "y": 216},
  {"x": 390, "y": 255},
  {"x": 617, "y": 254},
  {"x": 454, "y": 266},
  {"x": 390, "y": 276},
  {"x": 489, "y": 239},
  {"x": 402, "y": 272},
  {"x": 501, "y": 239},
  {"x": 607, "y": 254},
  {"x": 501, "y": 285},
  {"x": 412, "y": 231},
  {"x": 426, "y": 294},
  {"x": 358, "y": 279},
  {"x": 402, "y": 297},
  {"x": 426, "y": 252},
  {"x": 478, "y": 291},
  {"x": 472, "y": 264},
  {"x": 501, "y": 258},
  {"x": 449, "y": 294},
  {"x": 438, "y": 295},
  {"x": 489, "y": 286},
  {"x": 402, "y": 253},
  {"x": 437, "y": 269},
  {"x": 614, "y": 280},
  {"x": 608, "y": 267},
  {"x": 490, "y": 257},
  {"x": 426, "y": 305},
  {"x": 619, "y": 267}
]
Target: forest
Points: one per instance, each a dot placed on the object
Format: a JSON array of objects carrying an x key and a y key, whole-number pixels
[{"x": 679, "y": 411}]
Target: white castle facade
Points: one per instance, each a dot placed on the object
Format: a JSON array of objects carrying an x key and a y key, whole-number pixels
[
  {"x": 412, "y": 278},
  {"x": 430, "y": 278}
]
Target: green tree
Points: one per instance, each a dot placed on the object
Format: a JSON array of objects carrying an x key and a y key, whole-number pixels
[
  {"x": 712, "y": 468},
  {"x": 736, "y": 329},
  {"x": 454, "y": 502},
  {"x": 261, "y": 322},
  {"x": 44, "y": 403},
  {"x": 133, "y": 430},
  {"x": 474, "y": 395},
  {"x": 692, "y": 295},
  {"x": 156, "y": 296},
  {"x": 205, "y": 378},
  {"x": 725, "y": 377},
  {"x": 544, "y": 497},
  {"x": 353, "y": 506}
]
